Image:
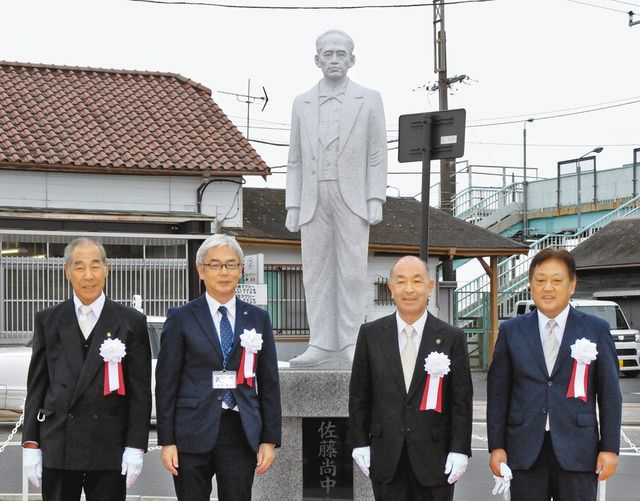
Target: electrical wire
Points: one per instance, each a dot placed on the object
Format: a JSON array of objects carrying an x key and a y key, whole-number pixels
[
  {"x": 625, "y": 3},
  {"x": 596, "y": 6},
  {"x": 311, "y": 7},
  {"x": 558, "y": 115},
  {"x": 501, "y": 120},
  {"x": 525, "y": 116}
]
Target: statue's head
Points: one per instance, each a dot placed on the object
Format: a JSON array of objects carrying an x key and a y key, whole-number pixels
[{"x": 334, "y": 54}]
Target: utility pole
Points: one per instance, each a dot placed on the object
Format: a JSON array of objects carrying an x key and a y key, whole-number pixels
[
  {"x": 447, "y": 165},
  {"x": 249, "y": 100},
  {"x": 447, "y": 171}
]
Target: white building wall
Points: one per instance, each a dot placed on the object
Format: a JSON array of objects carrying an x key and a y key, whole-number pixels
[{"x": 100, "y": 192}]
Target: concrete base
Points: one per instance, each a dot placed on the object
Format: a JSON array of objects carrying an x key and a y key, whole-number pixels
[{"x": 306, "y": 393}]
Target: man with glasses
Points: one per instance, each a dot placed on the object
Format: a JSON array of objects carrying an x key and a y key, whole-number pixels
[{"x": 214, "y": 352}]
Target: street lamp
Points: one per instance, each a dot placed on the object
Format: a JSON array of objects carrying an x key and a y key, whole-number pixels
[
  {"x": 579, "y": 184},
  {"x": 524, "y": 180}
]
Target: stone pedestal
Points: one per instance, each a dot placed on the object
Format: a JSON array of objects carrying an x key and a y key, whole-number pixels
[{"x": 306, "y": 393}]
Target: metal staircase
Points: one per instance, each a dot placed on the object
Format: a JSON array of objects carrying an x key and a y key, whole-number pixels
[
  {"x": 475, "y": 204},
  {"x": 513, "y": 272}
]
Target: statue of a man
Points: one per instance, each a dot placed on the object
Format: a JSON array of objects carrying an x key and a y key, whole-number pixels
[{"x": 336, "y": 185}]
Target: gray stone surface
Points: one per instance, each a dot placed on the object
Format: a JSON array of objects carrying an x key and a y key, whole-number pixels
[
  {"x": 306, "y": 393},
  {"x": 336, "y": 185}
]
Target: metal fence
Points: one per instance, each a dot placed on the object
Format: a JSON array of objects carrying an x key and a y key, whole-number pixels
[{"x": 29, "y": 284}]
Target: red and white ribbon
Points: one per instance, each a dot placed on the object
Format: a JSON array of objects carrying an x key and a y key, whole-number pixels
[
  {"x": 583, "y": 352},
  {"x": 251, "y": 341},
  {"x": 437, "y": 366},
  {"x": 113, "y": 351}
]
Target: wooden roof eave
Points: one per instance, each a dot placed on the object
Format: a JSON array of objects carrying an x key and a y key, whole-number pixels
[{"x": 396, "y": 249}]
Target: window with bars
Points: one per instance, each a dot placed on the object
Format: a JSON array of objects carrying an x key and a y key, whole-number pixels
[
  {"x": 382, "y": 292},
  {"x": 286, "y": 304}
]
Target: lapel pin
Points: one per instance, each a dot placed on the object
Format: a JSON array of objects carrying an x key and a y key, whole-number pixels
[
  {"x": 438, "y": 341},
  {"x": 244, "y": 312},
  {"x": 108, "y": 334}
]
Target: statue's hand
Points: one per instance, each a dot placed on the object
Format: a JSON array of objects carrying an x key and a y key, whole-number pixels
[
  {"x": 293, "y": 219},
  {"x": 374, "y": 208}
]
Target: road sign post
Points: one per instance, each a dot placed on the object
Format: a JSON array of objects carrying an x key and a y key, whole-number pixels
[{"x": 425, "y": 137}]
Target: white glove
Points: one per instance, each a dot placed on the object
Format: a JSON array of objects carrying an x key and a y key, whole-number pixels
[
  {"x": 456, "y": 465},
  {"x": 132, "y": 464},
  {"x": 32, "y": 464},
  {"x": 503, "y": 483},
  {"x": 362, "y": 457}
]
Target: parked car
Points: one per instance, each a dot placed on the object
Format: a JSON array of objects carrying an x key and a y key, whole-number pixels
[
  {"x": 627, "y": 340},
  {"x": 14, "y": 366}
]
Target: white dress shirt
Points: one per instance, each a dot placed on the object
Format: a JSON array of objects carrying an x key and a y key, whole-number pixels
[
  {"x": 561, "y": 321},
  {"x": 418, "y": 325},
  {"x": 96, "y": 308},
  {"x": 217, "y": 318}
]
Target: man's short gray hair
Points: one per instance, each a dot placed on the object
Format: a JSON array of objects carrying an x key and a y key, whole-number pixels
[
  {"x": 426, "y": 266},
  {"x": 320, "y": 39},
  {"x": 71, "y": 246},
  {"x": 218, "y": 240}
]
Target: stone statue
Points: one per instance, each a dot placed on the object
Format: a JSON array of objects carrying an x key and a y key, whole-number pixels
[{"x": 336, "y": 185}]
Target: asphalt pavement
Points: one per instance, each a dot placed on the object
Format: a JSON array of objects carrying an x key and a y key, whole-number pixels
[{"x": 155, "y": 482}]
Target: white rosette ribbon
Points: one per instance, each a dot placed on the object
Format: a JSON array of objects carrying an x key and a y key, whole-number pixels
[
  {"x": 251, "y": 342},
  {"x": 113, "y": 351},
  {"x": 583, "y": 352},
  {"x": 437, "y": 365}
]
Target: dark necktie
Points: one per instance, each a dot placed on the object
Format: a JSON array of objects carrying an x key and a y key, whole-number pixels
[{"x": 226, "y": 340}]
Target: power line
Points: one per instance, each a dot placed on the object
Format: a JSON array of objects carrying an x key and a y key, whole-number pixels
[
  {"x": 626, "y": 3},
  {"x": 586, "y": 108},
  {"x": 557, "y": 116},
  {"x": 308, "y": 7},
  {"x": 597, "y": 6},
  {"x": 530, "y": 115}
]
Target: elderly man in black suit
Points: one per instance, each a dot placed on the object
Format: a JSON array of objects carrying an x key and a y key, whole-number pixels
[
  {"x": 217, "y": 384},
  {"x": 410, "y": 396},
  {"x": 88, "y": 404}
]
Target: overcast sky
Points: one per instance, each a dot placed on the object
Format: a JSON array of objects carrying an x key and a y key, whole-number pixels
[{"x": 525, "y": 58}]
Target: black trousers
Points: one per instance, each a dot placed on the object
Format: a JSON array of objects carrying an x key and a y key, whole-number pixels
[
  {"x": 405, "y": 486},
  {"x": 67, "y": 485},
  {"x": 232, "y": 461},
  {"x": 546, "y": 479}
]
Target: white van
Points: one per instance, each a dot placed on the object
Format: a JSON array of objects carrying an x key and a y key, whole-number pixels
[{"x": 627, "y": 340}]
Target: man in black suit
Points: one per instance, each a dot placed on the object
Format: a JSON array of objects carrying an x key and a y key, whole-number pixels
[
  {"x": 86, "y": 419},
  {"x": 212, "y": 420},
  {"x": 411, "y": 427}
]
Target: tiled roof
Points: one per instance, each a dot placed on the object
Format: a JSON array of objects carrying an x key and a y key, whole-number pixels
[
  {"x": 96, "y": 120},
  {"x": 617, "y": 245},
  {"x": 264, "y": 216}
]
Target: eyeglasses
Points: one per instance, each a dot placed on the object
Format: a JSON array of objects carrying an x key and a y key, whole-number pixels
[{"x": 217, "y": 265}]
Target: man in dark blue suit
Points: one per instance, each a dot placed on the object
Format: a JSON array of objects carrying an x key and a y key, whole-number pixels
[
  {"x": 212, "y": 420},
  {"x": 549, "y": 437}
]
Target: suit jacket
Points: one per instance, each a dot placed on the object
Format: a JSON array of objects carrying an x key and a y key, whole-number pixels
[
  {"x": 82, "y": 428},
  {"x": 521, "y": 393},
  {"x": 384, "y": 415},
  {"x": 362, "y": 152},
  {"x": 187, "y": 407}
]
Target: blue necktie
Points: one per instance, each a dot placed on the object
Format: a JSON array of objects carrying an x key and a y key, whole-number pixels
[{"x": 226, "y": 340}]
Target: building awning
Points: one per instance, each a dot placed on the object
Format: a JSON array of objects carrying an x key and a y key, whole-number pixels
[{"x": 617, "y": 293}]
